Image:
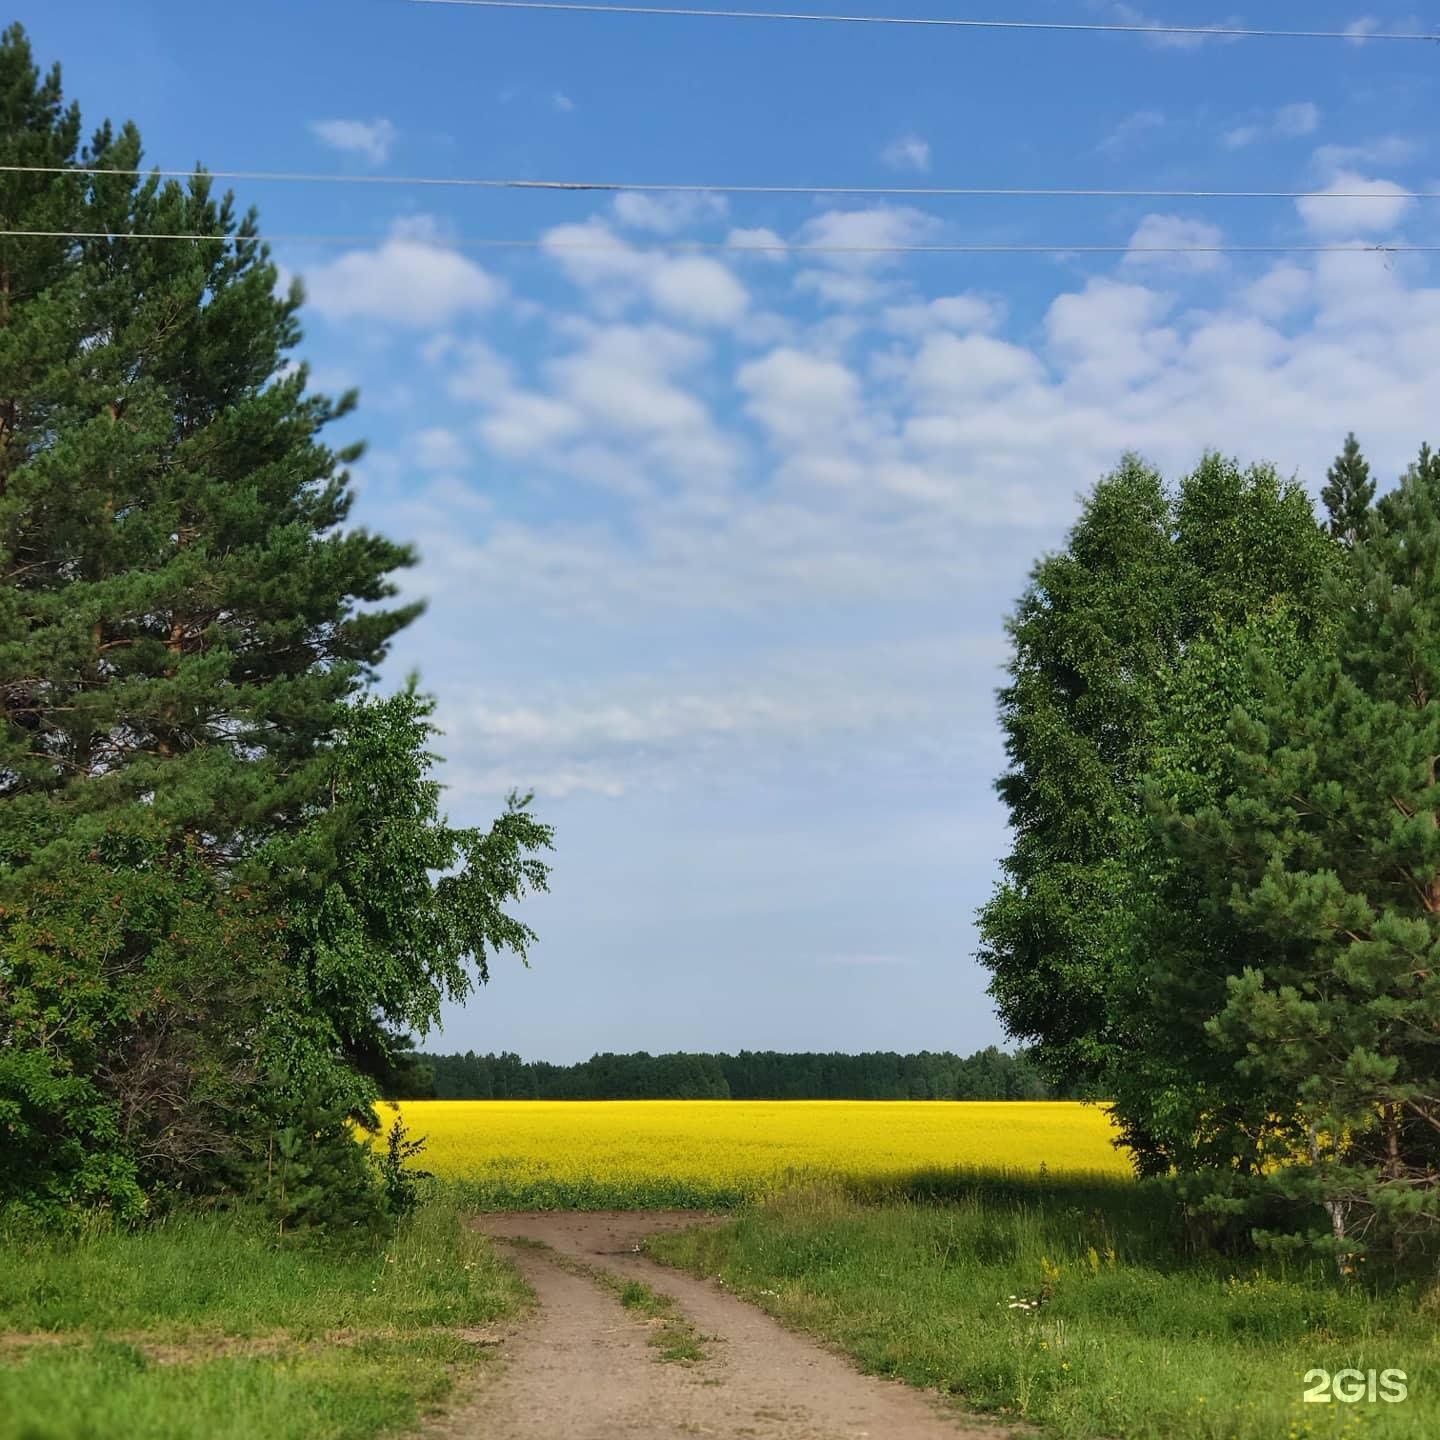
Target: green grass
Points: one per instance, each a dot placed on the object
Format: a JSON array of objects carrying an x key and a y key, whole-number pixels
[
  {"x": 1133, "y": 1338},
  {"x": 202, "y": 1326},
  {"x": 672, "y": 1335},
  {"x": 502, "y": 1192}
]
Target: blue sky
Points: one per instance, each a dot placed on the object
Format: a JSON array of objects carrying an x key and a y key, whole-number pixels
[{"x": 718, "y": 548}]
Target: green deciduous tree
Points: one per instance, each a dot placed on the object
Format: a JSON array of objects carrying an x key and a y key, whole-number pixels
[
  {"x": 1145, "y": 575},
  {"x": 394, "y": 909}
]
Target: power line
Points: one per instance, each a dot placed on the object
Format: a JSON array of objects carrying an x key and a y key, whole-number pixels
[
  {"x": 1217, "y": 32},
  {"x": 727, "y": 247},
  {"x": 975, "y": 192}
]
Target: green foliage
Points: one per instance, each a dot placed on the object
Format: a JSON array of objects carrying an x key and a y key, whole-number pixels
[
  {"x": 134, "y": 995},
  {"x": 225, "y": 884},
  {"x": 390, "y": 903},
  {"x": 1349, "y": 493},
  {"x": 314, "y": 1179},
  {"x": 1322, "y": 846},
  {"x": 1145, "y": 574},
  {"x": 399, "y": 1180},
  {"x": 1237, "y": 941}
]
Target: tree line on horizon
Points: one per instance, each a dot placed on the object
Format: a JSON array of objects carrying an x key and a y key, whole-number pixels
[{"x": 989, "y": 1074}]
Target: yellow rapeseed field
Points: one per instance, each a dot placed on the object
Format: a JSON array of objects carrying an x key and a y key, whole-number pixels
[{"x": 595, "y": 1153}]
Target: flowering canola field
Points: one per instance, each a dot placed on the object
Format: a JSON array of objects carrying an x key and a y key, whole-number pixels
[{"x": 594, "y": 1154}]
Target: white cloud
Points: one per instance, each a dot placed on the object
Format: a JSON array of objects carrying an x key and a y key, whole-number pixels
[
  {"x": 562, "y": 102},
  {"x": 698, "y": 289},
  {"x": 694, "y": 288},
  {"x": 1161, "y": 239},
  {"x": 1332, "y": 218},
  {"x": 1289, "y": 122},
  {"x": 1123, "y": 14},
  {"x": 371, "y": 140},
  {"x": 437, "y": 448},
  {"x": 949, "y": 312},
  {"x": 1132, "y": 129},
  {"x": 1283, "y": 289},
  {"x": 1302, "y": 118},
  {"x": 1386, "y": 150},
  {"x": 473, "y": 370},
  {"x": 864, "y": 234},
  {"x": 909, "y": 152},
  {"x": 882, "y": 457},
  {"x": 667, "y": 212},
  {"x": 618, "y": 410},
  {"x": 412, "y": 279},
  {"x": 766, "y": 243},
  {"x": 801, "y": 399},
  {"x": 524, "y": 423},
  {"x": 854, "y": 246}
]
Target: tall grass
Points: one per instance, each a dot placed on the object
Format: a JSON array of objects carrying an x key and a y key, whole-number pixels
[
  {"x": 1075, "y": 1305},
  {"x": 203, "y": 1326}
]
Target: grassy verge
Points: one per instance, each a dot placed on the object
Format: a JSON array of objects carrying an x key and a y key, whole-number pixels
[
  {"x": 504, "y": 1190},
  {"x": 1069, "y": 1306},
  {"x": 201, "y": 1326}
]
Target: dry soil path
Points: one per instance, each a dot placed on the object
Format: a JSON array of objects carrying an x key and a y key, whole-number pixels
[{"x": 581, "y": 1368}]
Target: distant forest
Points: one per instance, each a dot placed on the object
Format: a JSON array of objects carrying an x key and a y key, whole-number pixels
[{"x": 989, "y": 1074}]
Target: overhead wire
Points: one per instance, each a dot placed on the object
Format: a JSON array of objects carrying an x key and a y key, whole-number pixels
[
  {"x": 979, "y": 192},
  {"x": 1217, "y": 32},
  {"x": 728, "y": 247}
]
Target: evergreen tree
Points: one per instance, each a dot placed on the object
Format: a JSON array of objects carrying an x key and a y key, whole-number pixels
[
  {"x": 1348, "y": 493},
  {"x": 1324, "y": 845},
  {"x": 186, "y": 621}
]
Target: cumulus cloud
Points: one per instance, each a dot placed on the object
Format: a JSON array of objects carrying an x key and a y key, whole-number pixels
[
  {"x": 698, "y": 289},
  {"x": 1381, "y": 208},
  {"x": 370, "y": 140},
  {"x": 909, "y": 152},
  {"x": 1176, "y": 242},
  {"x": 617, "y": 410},
  {"x": 411, "y": 280},
  {"x": 766, "y": 244},
  {"x": 950, "y": 312},
  {"x": 667, "y": 212},
  {"x": 437, "y": 448},
  {"x": 890, "y": 463}
]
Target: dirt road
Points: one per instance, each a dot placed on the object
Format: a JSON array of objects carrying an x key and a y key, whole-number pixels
[{"x": 581, "y": 1369}]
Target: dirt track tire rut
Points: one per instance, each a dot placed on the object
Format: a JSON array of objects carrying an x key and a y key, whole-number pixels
[{"x": 582, "y": 1369}]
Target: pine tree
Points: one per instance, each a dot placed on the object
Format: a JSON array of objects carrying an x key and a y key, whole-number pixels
[
  {"x": 1349, "y": 493},
  {"x": 1324, "y": 845},
  {"x": 186, "y": 620}
]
